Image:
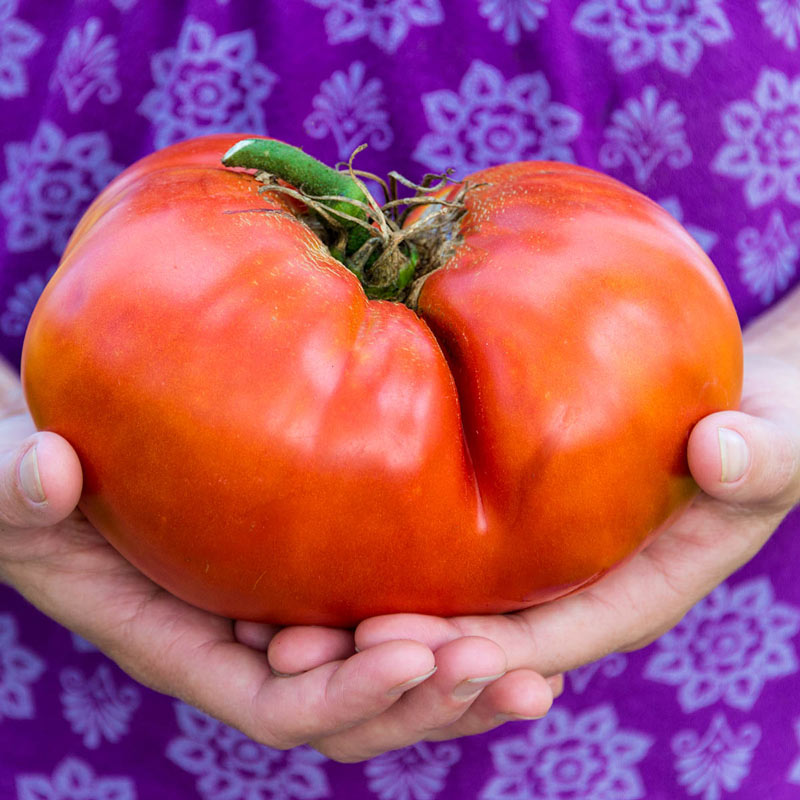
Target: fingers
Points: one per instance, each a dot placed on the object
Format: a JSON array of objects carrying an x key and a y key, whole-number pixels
[
  {"x": 465, "y": 667},
  {"x": 40, "y": 482},
  {"x": 277, "y": 711},
  {"x": 521, "y": 694},
  {"x": 431, "y": 631},
  {"x": 746, "y": 460},
  {"x": 256, "y": 635},
  {"x": 301, "y": 648},
  {"x": 339, "y": 695},
  {"x": 296, "y": 649}
]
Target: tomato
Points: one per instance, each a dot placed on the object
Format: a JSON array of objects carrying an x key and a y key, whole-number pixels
[{"x": 266, "y": 442}]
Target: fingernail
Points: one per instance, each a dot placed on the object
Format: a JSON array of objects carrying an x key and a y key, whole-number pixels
[
  {"x": 734, "y": 455},
  {"x": 511, "y": 717},
  {"x": 29, "y": 476},
  {"x": 404, "y": 687},
  {"x": 284, "y": 674},
  {"x": 473, "y": 686}
]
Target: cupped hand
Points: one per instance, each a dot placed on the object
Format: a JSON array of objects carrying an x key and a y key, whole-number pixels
[
  {"x": 348, "y": 704},
  {"x": 747, "y": 464}
]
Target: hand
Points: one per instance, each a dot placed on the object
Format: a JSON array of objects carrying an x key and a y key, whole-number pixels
[
  {"x": 54, "y": 557},
  {"x": 745, "y": 496}
]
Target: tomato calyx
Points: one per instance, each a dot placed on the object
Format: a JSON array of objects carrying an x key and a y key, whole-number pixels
[{"x": 390, "y": 257}]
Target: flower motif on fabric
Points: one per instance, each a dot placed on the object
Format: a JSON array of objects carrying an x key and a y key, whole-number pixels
[
  {"x": 18, "y": 41},
  {"x": 95, "y": 708},
  {"x": 611, "y": 666},
  {"x": 514, "y": 16},
  {"x": 229, "y": 764},
  {"x": 639, "y": 32},
  {"x": 51, "y": 181},
  {"x": 566, "y": 757},
  {"x": 763, "y": 147},
  {"x": 768, "y": 260},
  {"x": 207, "y": 84},
  {"x": 492, "y": 121},
  {"x": 387, "y": 23},
  {"x": 727, "y": 647},
  {"x": 418, "y": 772},
  {"x": 19, "y": 306},
  {"x": 645, "y": 133},
  {"x": 718, "y": 762},
  {"x": 782, "y": 17},
  {"x": 705, "y": 238},
  {"x": 350, "y": 108},
  {"x": 73, "y": 779},
  {"x": 19, "y": 668},
  {"x": 87, "y": 64}
]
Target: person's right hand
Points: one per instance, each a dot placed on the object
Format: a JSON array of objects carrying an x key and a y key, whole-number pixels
[{"x": 353, "y": 705}]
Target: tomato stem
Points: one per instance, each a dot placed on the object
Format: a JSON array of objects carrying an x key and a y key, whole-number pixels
[
  {"x": 389, "y": 258},
  {"x": 307, "y": 174}
]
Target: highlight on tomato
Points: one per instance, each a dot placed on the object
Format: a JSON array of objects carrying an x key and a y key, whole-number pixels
[{"x": 297, "y": 403}]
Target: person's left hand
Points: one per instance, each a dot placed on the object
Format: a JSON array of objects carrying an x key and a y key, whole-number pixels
[
  {"x": 742, "y": 503},
  {"x": 348, "y": 705}
]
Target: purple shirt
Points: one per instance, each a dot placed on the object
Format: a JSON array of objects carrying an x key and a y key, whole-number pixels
[{"x": 693, "y": 102}]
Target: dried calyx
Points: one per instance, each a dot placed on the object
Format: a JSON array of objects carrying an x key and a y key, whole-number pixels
[{"x": 390, "y": 256}]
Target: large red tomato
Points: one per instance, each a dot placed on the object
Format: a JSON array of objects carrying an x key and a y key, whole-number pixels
[{"x": 267, "y": 443}]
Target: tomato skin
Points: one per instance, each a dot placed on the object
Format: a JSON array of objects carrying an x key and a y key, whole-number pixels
[{"x": 266, "y": 443}]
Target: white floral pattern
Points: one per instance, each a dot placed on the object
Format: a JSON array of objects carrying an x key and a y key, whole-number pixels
[
  {"x": 727, "y": 647},
  {"x": 206, "y": 84},
  {"x": 95, "y": 708},
  {"x": 514, "y": 16},
  {"x": 672, "y": 32},
  {"x": 386, "y": 23},
  {"x": 612, "y": 666},
  {"x": 18, "y": 41},
  {"x": 418, "y": 772},
  {"x": 763, "y": 147},
  {"x": 19, "y": 306},
  {"x": 74, "y": 779},
  {"x": 768, "y": 260},
  {"x": 19, "y": 668},
  {"x": 50, "y": 183},
  {"x": 719, "y": 761},
  {"x": 566, "y": 757},
  {"x": 350, "y": 108},
  {"x": 645, "y": 133},
  {"x": 229, "y": 764},
  {"x": 782, "y": 17},
  {"x": 329, "y": 75},
  {"x": 87, "y": 64},
  {"x": 705, "y": 238},
  {"x": 492, "y": 121}
]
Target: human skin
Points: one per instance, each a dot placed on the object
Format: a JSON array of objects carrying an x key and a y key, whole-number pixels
[
  {"x": 53, "y": 556},
  {"x": 748, "y": 487},
  {"x": 353, "y": 695}
]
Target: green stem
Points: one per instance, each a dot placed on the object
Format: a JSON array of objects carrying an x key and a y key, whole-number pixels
[{"x": 307, "y": 174}]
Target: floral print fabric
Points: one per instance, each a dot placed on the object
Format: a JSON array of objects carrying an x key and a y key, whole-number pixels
[{"x": 694, "y": 102}]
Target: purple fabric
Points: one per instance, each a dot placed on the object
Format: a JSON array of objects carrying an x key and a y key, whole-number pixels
[{"x": 694, "y": 102}]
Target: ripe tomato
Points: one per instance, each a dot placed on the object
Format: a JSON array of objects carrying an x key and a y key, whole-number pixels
[{"x": 265, "y": 442}]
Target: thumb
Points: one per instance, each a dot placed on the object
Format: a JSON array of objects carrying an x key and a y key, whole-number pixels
[
  {"x": 40, "y": 482},
  {"x": 746, "y": 460}
]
